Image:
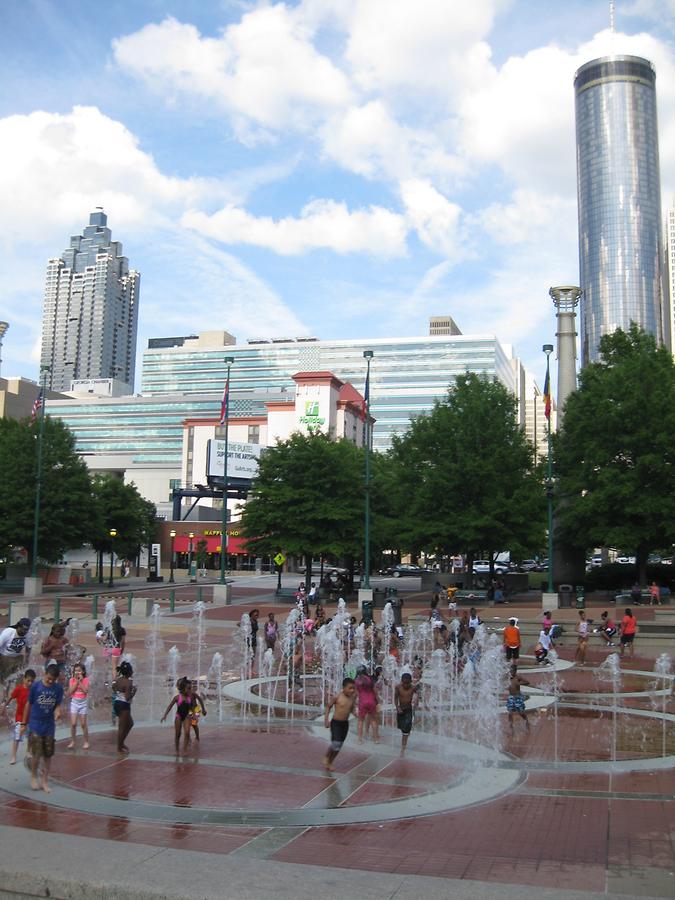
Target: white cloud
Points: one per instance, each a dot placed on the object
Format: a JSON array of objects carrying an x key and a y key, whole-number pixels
[
  {"x": 435, "y": 219},
  {"x": 321, "y": 224},
  {"x": 263, "y": 69},
  {"x": 369, "y": 141},
  {"x": 528, "y": 217},
  {"x": 428, "y": 45},
  {"x": 54, "y": 168}
]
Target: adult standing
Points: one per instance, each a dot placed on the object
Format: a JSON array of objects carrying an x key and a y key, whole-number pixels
[
  {"x": 40, "y": 715},
  {"x": 14, "y": 647},
  {"x": 628, "y": 631}
]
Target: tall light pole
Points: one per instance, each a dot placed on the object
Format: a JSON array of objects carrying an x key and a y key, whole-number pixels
[
  {"x": 172, "y": 535},
  {"x": 192, "y": 537},
  {"x": 38, "y": 476},
  {"x": 365, "y": 580},
  {"x": 548, "y": 349},
  {"x": 113, "y": 535},
  {"x": 225, "y": 419}
]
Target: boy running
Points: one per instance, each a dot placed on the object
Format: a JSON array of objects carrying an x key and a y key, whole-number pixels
[
  {"x": 41, "y": 713},
  {"x": 405, "y": 697},
  {"x": 20, "y": 696},
  {"x": 344, "y": 705}
]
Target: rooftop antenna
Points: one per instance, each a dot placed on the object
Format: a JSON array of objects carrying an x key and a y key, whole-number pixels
[{"x": 612, "y": 22}]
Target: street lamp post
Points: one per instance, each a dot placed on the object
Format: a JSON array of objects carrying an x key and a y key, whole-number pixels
[
  {"x": 191, "y": 536},
  {"x": 225, "y": 414},
  {"x": 113, "y": 535},
  {"x": 548, "y": 349},
  {"x": 365, "y": 580},
  {"x": 172, "y": 535},
  {"x": 38, "y": 477}
]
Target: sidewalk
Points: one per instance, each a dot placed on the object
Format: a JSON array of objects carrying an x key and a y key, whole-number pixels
[{"x": 38, "y": 864}]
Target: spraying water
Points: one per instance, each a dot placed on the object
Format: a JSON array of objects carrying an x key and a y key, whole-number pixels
[{"x": 154, "y": 646}]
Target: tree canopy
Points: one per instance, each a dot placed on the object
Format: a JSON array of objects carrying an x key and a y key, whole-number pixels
[
  {"x": 307, "y": 498},
  {"x": 615, "y": 459},
  {"x": 66, "y": 507},
  {"x": 467, "y": 478},
  {"x": 119, "y": 505}
]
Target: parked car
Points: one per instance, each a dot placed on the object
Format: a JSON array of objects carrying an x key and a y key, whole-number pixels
[
  {"x": 528, "y": 565},
  {"x": 403, "y": 569},
  {"x": 625, "y": 560},
  {"x": 482, "y": 567}
]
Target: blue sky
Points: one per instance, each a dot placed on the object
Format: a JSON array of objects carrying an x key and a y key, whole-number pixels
[{"x": 338, "y": 168}]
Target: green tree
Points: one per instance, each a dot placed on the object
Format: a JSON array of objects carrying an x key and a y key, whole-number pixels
[
  {"x": 119, "y": 506},
  {"x": 468, "y": 477},
  {"x": 307, "y": 499},
  {"x": 615, "y": 459},
  {"x": 66, "y": 508}
]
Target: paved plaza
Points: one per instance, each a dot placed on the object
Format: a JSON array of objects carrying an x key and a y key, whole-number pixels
[{"x": 581, "y": 806}]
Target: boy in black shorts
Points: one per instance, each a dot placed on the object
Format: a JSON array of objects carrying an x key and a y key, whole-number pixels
[
  {"x": 344, "y": 705},
  {"x": 405, "y": 697}
]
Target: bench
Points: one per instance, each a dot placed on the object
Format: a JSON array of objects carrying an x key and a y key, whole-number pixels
[
  {"x": 625, "y": 598},
  {"x": 471, "y": 595}
]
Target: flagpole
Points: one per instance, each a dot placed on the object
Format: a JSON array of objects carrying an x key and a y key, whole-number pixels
[
  {"x": 38, "y": 477},
  {"x": 548, "y": 349},
  {"x": 225, "y": 415}
]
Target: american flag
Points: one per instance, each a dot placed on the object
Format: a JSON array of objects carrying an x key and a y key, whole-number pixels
[
  {"x": 224, "y": 404},
  {"x": 37, "y": 406}
]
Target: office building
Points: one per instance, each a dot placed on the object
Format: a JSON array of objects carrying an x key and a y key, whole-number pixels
[
  {"x": 407, "y": 374},
  {"x": 443, "y": 325},
  {"x": 669, "y": 269},
  {"x": 619, "y": 196},
  {"x": 90, "y": 314}
]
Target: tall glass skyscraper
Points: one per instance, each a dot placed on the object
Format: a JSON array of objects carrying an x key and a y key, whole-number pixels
[
  {"x": 90, "y": 315},
  {"x": 619, "y": 195}
]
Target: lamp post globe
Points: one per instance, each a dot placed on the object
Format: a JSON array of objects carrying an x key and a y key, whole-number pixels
[
  {"x": 172, "y": 535},
  {"x": 113, "y": 535}
]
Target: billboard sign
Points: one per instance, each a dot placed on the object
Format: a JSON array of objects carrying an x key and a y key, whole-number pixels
[{"x": 242, "y": 459}]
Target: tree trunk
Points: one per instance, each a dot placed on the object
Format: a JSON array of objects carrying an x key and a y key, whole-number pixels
[
  {"x": 641, "y": 565},
  {"x": 100, "y": 566}
]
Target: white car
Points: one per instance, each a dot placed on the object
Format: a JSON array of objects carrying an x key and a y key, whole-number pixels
[{"x": 482, "y": 567}]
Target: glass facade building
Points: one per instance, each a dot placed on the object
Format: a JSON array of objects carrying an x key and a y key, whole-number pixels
[
  {"x": 406, "y": 375},
  {"x": 90, "y": 318},
  {"x": 619, "y": 196}
]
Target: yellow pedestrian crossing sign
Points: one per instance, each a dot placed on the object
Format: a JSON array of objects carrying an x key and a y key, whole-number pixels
[{"x": 280, "y": 559}]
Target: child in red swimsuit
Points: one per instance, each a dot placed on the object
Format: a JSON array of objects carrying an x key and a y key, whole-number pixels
[{"x": 368, "y": 705}]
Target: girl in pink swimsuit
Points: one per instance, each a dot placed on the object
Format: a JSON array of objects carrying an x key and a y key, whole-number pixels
[{"x": 368, "y": 705}]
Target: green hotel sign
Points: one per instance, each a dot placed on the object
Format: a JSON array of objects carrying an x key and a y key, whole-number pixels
[{"x": 311, "y": 416}]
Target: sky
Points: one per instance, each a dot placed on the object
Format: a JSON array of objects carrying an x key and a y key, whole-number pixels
[{"x": 335, "y": 168}]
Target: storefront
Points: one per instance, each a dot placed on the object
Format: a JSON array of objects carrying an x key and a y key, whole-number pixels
[{"x": 203, "y": 538}]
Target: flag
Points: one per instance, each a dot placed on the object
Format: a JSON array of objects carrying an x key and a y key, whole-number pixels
[
  {"x": 547, "y": 396},
  {"x": 37, "y": 406},
  {"x": 225, "y": 402}
]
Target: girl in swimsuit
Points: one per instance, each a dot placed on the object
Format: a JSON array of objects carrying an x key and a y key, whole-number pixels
[
  {"x": 183, "y": 701},
  {"x": 123, "y": 693},
  {"x": 368, "y": 702}
]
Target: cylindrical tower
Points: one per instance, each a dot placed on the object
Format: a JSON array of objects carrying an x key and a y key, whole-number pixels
[
  {"x": 619, "y": 194},
  {"x": 566, "y": 299}
]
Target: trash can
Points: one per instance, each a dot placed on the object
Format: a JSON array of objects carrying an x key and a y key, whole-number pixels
[
  {"x": 390, "y": 592},
  {"x": 396, "y": 604},
  {"x": 367, "y": 612},
  {"x": 581, "y": 596},
  {"x": 565, "y": 595}
]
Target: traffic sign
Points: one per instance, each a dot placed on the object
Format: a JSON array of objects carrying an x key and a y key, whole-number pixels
[{"x": 280, "y": 559}]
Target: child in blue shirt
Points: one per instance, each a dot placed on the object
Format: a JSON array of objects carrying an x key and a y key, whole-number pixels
[{"x": 40, "y": 715}]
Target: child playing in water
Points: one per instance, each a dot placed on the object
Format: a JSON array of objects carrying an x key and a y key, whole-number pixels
[
  {"x": 271, "y": 632},
  {"x": 183, "y": 702},
  {"x": 19, "y": 696},
  {"x": 368, "y": 705},
  {"x": 78, "y": 691},
  {"x": 195, "y": 710},
  {"x": 405, "y": 697},
  {"x": 344, "y": 705},
  {"x": 515, "y": 702}
]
